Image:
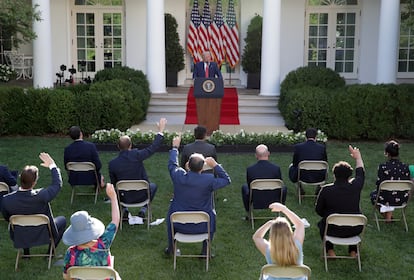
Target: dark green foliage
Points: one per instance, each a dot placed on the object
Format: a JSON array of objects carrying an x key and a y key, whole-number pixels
[
  {"x": 174, "y": 52},
  {"x": 308, "y": 76},
  {"x": 307, "y": 108},
  {"x": 141, "y": 92},
  {"x": 9, "y": 99},
  {"x": 35, "y": 115},
  {"x": 89, "y": 107},
  {"x": 62, "y": 110},
  {"x": 120, "y": 109},
  {"x": 252, "y": 52}
]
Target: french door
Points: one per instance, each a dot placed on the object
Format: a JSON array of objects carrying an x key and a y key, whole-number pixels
[
  {"x": 332, "y": 40},
  {"x": 97, "y": 40}
]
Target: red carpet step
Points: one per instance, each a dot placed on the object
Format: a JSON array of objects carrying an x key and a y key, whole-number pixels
[{"x": 229, "y": 113}]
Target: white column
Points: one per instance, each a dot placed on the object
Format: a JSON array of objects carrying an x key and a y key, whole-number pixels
[
  {"x": 270, "y": 71},
  {"x": 388, "y": 41},
  {"x": 156, "y": 46},
  {"x": 43, "y": 75}
]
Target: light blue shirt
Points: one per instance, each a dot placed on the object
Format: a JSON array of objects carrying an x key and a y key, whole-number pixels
[{"x": 299, "y": 262}]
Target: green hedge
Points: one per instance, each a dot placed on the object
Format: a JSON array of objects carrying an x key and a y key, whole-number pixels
[
  {"x": 109, "y": 102},
  {"x": 366, "y": 112}
]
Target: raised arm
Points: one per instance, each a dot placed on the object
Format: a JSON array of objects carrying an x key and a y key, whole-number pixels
[
  {"x": 110, "y": 191},
  {"x": 356, "y": 154},
  {"x": 299, "y": 232},
  {"x": 258, "y": 237}
]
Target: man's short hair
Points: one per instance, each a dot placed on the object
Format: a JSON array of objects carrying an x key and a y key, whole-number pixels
[
  {"x": 311, "y": 133},
  {"x": 342, "y": 170},
  {"x": 196, "y": 162},
  {"x": 124, "y": 142},
  {"x": 200, "y": 132},
  {"x": 29, "y": 176},
  {"x": 75, "y": 132}
]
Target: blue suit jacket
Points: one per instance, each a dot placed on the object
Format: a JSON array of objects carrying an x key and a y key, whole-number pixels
[
  {"x": 6, "y": 176},
  {"x": 24, "y": 202},
  {"x": 129, "y": 164},
  {"x": 193, "y": 191},
  {"x": 213, "y": 70},
  {"x": 80, "y": 151},
  {"x": 309, "y": 150}
]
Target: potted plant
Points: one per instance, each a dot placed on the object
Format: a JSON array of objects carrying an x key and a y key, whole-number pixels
[
  {"x": 174, "y": 52},
  {"x": 252, "y": 52}
]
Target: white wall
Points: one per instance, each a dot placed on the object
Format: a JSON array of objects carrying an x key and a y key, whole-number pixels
[
  {"x": 178, "y": 9},
  {"x": 293, "y": 36},
  {"x": 135, "y": 34},
  {"x": 370, "y": 11},
  {"x": 248, "y": 9},
  {"x": 61, "y": 28}
]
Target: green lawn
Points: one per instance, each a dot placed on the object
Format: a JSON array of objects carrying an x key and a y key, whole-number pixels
[{"x": 139, "y": 253}]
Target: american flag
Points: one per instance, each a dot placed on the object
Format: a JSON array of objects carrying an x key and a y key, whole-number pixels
[
  {"x": 203, "y": 29},
  {"x": 192, "y": 39},
  {"x": 231, "y": 36},
  {"x": 216, "y": 39}
]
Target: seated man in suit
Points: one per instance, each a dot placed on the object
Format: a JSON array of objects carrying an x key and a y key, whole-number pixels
[
  {"x": 26, "y": 200},
  {"x": 193, "y": 191},
  {"x": 309, "y": 150},
  {"x": 342, "y": 197},
  {"x": 129, "y": 165},
  {"x": 8, "y": 177},
  {"x": 206, "y": 68},
  {"x": 200, "y": 145},
  {"x": 81, "y": 151},
  {"x": 263, "y": 169}
]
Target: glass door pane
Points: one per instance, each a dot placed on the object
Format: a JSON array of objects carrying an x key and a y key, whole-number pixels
[
  {"x": 112, "y": 39},
  {"x": 318, "y": 39},
  {"x": 345, "y": 42},
  {"x": 85, "y": 42}
]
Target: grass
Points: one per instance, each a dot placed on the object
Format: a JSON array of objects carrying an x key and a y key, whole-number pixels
[{"x": 139, "y": 253}]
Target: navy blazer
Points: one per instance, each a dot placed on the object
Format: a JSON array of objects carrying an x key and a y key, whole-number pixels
[
  {"x": 129, "y": 165},
  {"x": 198, "y": 146},
  {"x": 36, "y": 201},
  {"x": 6, "y": 176},
  {"x": 213, "y": 70},
  {"x": 309, "y": 150},
  {"x": 80, "y": 151},
  {"x": 193, "y": 191}
]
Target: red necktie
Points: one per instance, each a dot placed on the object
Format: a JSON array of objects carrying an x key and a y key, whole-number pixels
[{"x": 206, "y": 70}]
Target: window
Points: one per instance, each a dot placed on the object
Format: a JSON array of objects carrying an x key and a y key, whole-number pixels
[
  {"x": 406, "y": 44},
  {"x": 332, "y": 2},
  {"x": 98, "y": 2}
]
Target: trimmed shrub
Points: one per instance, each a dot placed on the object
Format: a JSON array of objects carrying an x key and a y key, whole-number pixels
[
  {"x": 62, "y": 110},
  {"x": 141, "y": 92},
  {"x": 308, "y": 107},
  {"x": 120, "y": 109},
  {"x": 307, "y": 76}
]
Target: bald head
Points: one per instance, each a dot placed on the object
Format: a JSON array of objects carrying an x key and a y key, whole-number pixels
[
  {"x": 262, "y": 152},
  {"x": 196, "y": 162},
  {"x": 124, "y": 143}
]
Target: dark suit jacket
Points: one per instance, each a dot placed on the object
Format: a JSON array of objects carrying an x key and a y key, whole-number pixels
[
  {"x": 263, "y": 169},
  {"x": 341, "y": 198},
  {"x": 129, "y": 165},
  {"x": 80, "y": 151},
  {"x": 23, "y": 202},
  {"x": 199, "y": 146},
  {"x": 6, "y": 176},
  {"x": 213, "y": 70},
  {"x": 309, "y": 150},
  {"x": 193, "y": 191}
]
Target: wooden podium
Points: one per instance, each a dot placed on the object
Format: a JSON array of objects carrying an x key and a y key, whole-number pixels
[{"x": 208, "y": 93}]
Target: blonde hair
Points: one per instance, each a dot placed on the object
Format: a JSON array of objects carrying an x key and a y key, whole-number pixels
[{"x": 283, "y": 250}]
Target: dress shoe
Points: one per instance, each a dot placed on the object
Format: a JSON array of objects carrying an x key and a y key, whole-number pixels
[{"x": 168, "y": 252}]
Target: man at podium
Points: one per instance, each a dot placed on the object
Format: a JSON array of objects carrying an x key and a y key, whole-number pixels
[{"x": 206, "y": 68}]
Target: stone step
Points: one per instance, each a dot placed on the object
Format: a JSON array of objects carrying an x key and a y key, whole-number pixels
[{"x": 253, "y": 109}]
